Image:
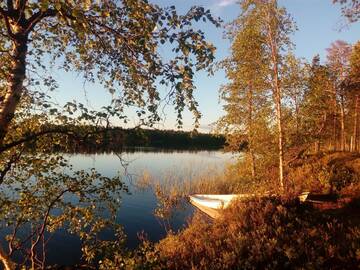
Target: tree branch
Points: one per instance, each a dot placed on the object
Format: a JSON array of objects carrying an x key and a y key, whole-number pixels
[
  {"x": 45, "y": 220},
  {"x": 3, "y": 12},
  {"x": 8, "y": 166},
  {"x": 22, "y": 4},
  {"x": 37, "y": 17},
  {"x": 60, "y": 130},
  {"x": 20, "y": 10},
  {"x": 8, "y": 264},
  {"x": 5, "y": 15},
  {"x": 56, "y": 130},
  {"x": 10, "y": 5},
  {"x": 13, "y": 235}
]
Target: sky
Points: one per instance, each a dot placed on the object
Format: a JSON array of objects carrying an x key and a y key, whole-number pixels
[{"x": 319, "y": 24}]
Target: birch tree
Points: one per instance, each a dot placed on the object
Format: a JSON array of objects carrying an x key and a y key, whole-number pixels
[
  {"x": 273, "y": 27},
  {"x": 246, "y": 97},
  {"x": 277, "y": 26},
  {"x": 350, "y": 9},
  {"x": 116, "y": 43}
]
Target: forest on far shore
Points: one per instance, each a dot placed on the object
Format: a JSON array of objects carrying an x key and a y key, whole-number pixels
[{"x": 88, "y": 139}]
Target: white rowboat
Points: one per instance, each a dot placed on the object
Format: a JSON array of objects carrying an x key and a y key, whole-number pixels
[
  {"x": 217, "y": 201},
  {"x": 212, "y": 204}
]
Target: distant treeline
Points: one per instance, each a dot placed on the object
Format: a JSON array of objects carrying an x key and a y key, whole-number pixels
[{"x": 90, "y": 139}]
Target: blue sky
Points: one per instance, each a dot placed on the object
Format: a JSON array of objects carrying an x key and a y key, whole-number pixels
[{"x": 319, "y": 23}]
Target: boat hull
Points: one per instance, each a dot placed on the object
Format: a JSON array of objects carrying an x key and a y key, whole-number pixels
[{"x": 212, "y": 204}]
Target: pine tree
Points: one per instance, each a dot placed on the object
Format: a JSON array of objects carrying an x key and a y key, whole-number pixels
[
  {"x": 354, "y": 85},
  {"x": 317, "y": 110},
  {"x": 295, "y": 75},
  {"x": 338, "y": 61}
]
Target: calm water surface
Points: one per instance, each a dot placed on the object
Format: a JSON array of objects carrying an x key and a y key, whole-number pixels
[{"x": 136, "y": 211}]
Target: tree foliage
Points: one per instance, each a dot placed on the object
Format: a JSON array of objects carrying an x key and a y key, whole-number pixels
[
  {"x": 262, "y": 39},
  {"x": 271, "y": 90},
  {"x": 116, "y": 43},
  {"x": 316, "y": 109},
  {"x": 355, "y": 63},
  {"x": 350, "y": 9},
  {"x": 246, "y": 97}
]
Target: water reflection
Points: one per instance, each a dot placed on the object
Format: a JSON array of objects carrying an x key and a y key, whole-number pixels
[
  {"x": 136, "y": 211},
  {"x": 137, "y": 208}
]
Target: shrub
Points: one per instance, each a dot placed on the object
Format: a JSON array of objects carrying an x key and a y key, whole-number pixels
[
  {"x": 325, "y": 173},
  {"x": 312, "y": 176},
  {"x": 264, "y": 234},
  {"x": 145, "y": 257},
  {"x": 342, "y": 176}
]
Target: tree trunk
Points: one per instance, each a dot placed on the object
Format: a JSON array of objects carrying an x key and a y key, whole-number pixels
[
  {"x": 253, "y": 164},
  {"x": 355, "y": 132},
  {"x": 280, "y": 132},
  {"x": 334, "y": 111},
  {"x": 250, "y": 132},
  {"x": 334, "y": 133},
  {"x": 7, "y": 263},
  {"x": 11, "y": 98},
  {"x": 277, "y": 93},
  {"x": 342, "y": 124},
  {"x": 297, "y": 118}
]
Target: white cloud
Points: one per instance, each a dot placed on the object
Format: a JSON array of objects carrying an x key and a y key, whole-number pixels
[
  {"x": 225, "y": 3},
  {"x": 218, "y": 6}
]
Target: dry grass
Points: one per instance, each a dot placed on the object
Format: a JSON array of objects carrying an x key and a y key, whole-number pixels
[
  {"x": 275, "y": 233},
  {"x": 264, "y": 234}
]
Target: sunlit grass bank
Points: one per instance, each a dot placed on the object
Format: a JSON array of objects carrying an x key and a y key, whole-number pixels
[
  {"x": 263, "y": 233},
  {"x": 266, "y": 234}
]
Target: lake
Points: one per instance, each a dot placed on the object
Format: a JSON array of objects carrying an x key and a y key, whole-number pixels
[{"x": 136, "y": 213}]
